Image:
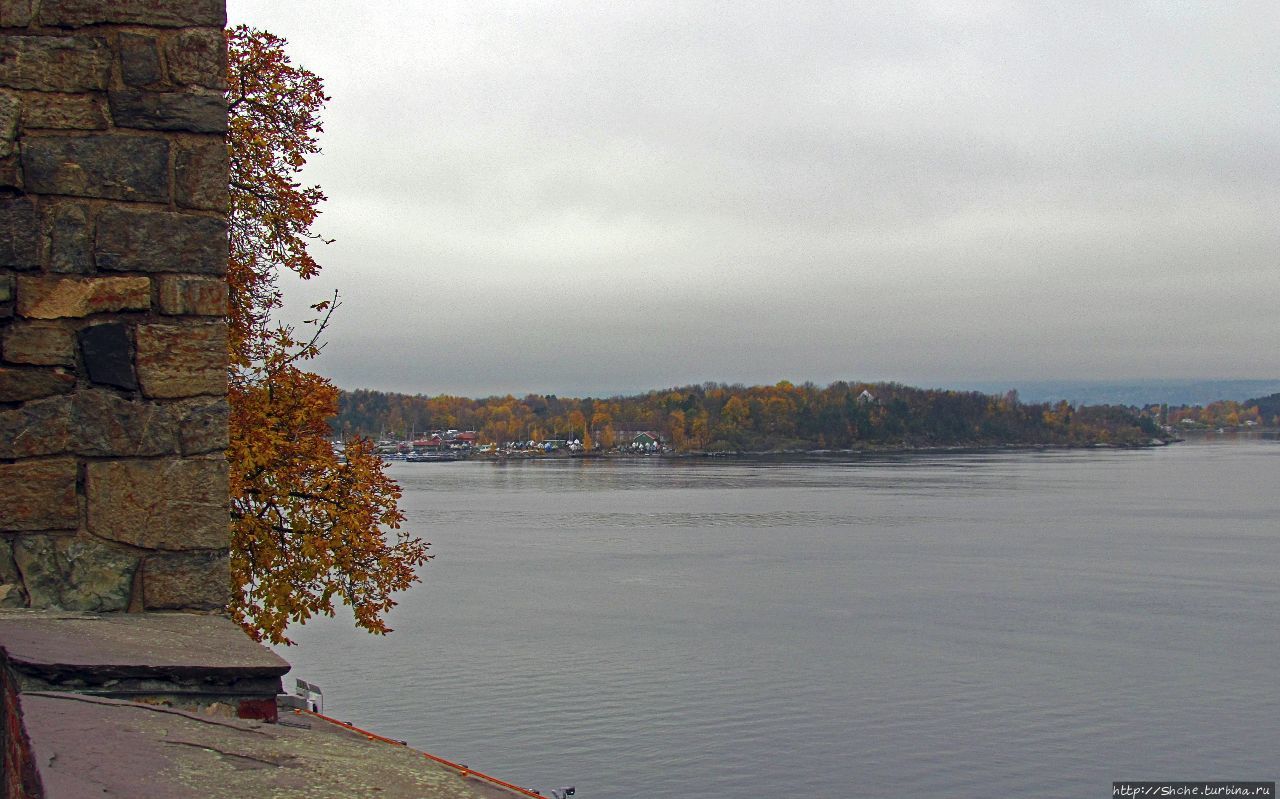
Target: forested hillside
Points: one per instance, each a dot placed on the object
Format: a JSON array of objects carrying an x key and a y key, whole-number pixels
[{"x": 714, "y": 417}]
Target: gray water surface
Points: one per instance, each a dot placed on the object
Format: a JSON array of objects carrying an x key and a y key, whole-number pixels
[{"x": 1013, "y": 624}]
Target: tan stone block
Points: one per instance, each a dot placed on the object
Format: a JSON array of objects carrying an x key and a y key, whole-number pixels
[
  {"x": 197, "y": 57},
  {"x": 10, "y": 173},
  {"x": 10, "y": 111},
  {"x": 54, "y": 63},
  {"x": 194, "y": 296},
  {"x": 166, "y": 503},
  {"x": 40, "y": 344},
  {"x": 200, "y": 169},
  {"x": 41, "y": 297},
  {"x": 39, "y": 495},
  {"x": 16, "y": 13},
  {"x": 63, "y": 112},
  {"x": 187, "y": 581},
  {"x": 182, "y": 360}
]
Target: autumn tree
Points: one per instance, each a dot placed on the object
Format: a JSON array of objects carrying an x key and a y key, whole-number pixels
[{"x": 308, "y": 526}]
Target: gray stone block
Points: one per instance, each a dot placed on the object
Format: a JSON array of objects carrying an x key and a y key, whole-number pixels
[
  {"x": 143, "y": 240},
  {"x": 201, "y": 424},
  {"x": 197, "y": 113},
  {"x": 20, "y": 385},
  {"x": 19, "y": 238},
  {"x": 161, "y": 13},
  {"x": 99, "y": 423},
  {"x": 12, "y": 594},
  {"x": 139, "y": 60},
  {"x": 109, "y": 166},
  {"x": 105, "y": 349},
  {"x": 70, "y": 245},
  {"x": 75, "y": 573}
]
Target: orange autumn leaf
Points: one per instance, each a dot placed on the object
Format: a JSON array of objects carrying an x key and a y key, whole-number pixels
[{"x": 309, "y": 527}]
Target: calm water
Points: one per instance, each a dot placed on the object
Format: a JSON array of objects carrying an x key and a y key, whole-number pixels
[{"x": 960, "y": 626}]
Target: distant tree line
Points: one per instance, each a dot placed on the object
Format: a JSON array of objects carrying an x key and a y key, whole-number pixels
[
  {"x": 1261, "y": 412},
  {"x": 722, "y": 418}
]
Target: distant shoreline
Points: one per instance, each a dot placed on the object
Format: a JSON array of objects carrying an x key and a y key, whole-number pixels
[{"x": 818, "y": 454}]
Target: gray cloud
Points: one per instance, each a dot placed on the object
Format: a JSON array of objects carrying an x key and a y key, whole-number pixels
[{"x": 589, "y": 198}]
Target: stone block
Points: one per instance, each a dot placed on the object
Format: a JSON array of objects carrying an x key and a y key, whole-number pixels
[
  {"x": 20, "y": 385},
  {"x": 197, "y": 113},
  {"x": 63, "y": 112},
  {"x": 187, "y": 581},
  {"x": 143, "y": 240},
  {"x": 201, "y": 424},
  {"x": 10, "y": 111},
  {"x": 12, "y": 594},
  {"x": 97, "y": 423},
  {"x": 176, "y": 361},
  {"x": 197, "y": 57},
  {"x": 193, "y": 296},
  {"x": 55, "y": 63},
  {"x": 66, "y": 229},
  {"x": 200, "y": 169},
  {"x": 160, "y": 13},
  {"x": 19, "y": 237},
  {"x": 109, "y": 166},
  {"x": 139, "y": 60},
  {"x": 39, "y": 495},
  {"x": 75, "y": 573},
  {"x": 105, "y": 350},
  {"x": 39, "y": 344},
  {"x": 10, "y": 172},
  {"x": 168, "y": 503},
  {"x": 16, "y": 13},
  {"x": 6, "y": 287},
  {"x": 44, "y": 297}
]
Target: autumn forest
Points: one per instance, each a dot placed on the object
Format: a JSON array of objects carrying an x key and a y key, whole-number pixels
[{"x": 735, "y": 418}]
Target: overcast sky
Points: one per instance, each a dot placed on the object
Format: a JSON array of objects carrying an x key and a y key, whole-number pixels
[{"x": 597, "y": 197}]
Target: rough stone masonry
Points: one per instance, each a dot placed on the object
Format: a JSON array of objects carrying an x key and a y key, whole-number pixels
[{"x": 113, "y": 203}]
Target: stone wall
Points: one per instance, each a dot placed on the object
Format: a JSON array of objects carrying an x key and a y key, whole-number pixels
[{"x": 113, "y": 416}]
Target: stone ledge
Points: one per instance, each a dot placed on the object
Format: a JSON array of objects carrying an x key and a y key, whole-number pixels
[
  {"x": 142, "y": 644},
  {"x": 88, "y": 746}
]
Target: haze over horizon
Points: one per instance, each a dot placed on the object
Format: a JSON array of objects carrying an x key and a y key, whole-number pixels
[{"x": 594, "y": 199}]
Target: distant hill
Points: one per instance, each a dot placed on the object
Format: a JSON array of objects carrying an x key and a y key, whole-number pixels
[
  {"x": 734, "y": 418},
  {"x": 1269, "y": 407},
  {"x": 1131, "y": 392}
]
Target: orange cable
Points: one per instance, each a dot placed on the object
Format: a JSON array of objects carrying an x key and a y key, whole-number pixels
[{"x": 461, "y": 769}]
